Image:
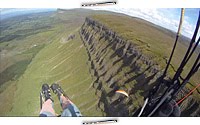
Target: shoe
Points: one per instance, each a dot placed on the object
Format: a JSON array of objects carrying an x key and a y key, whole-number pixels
[
  {"x": 46, "y": 92},
  {"x": 57, "y": 89}
]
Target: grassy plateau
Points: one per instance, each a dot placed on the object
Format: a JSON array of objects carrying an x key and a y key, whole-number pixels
[{"x": 36, "y": 49}]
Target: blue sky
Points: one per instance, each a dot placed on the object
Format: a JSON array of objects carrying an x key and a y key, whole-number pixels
[
  {"x": 10, "y": 12},
  {"x": 165, "y": 17}
]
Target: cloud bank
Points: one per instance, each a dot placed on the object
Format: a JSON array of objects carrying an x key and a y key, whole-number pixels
[{"x": 167, "y": 18}]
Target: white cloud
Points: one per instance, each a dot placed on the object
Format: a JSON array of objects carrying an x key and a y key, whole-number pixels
[
  {"x": 167, "y": 18},
  {"x": 188, "y": 28},
  {"x": 157, "y": 17}
]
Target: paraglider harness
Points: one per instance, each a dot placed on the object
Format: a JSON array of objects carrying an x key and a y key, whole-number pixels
[{"x": 164, "y": 104}]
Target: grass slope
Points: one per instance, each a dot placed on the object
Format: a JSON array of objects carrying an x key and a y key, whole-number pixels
[
  {"x": 153, "y": 40},
  {"x": 16, "y": 54},
  {"x": 34, "y": 50},
  {"x": 62, "y": 61}
]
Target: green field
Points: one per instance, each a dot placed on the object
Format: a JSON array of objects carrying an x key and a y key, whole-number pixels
[
  {"x": 153, "y": 40},
  {"x": 34, "y": 49},
  {"x": 42, "y": 55}
]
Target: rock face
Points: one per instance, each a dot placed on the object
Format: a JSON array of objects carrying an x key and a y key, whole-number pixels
[{"x": 116, "y": 64}]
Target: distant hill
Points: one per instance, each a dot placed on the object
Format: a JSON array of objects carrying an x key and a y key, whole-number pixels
[
  {"x": 8, "y": 13},
  {"x": 108, "y": 51}
]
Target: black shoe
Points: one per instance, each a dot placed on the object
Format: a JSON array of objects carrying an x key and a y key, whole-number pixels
[
  {"x": 57, "y": 89},
  {"x": 46, "y": 92}
]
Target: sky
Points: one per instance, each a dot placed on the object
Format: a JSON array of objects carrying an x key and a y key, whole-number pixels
[
  {"x": 159, "y": 16},
  {"x": 165, "y": 17},
  {"x": 160, "y": 12},
  {"x": 10, "y": 12}
]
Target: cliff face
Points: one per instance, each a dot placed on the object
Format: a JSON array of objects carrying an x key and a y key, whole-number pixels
[{"x": 115, "y": 64}]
